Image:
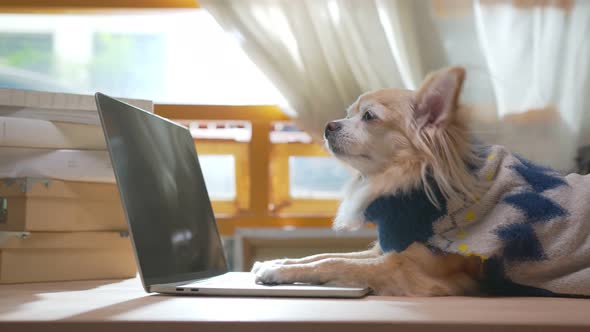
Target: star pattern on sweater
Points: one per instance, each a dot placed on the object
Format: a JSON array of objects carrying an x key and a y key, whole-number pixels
[
  {"x": 538, "y": 177},
  {"x": 535, "y": 207},
  {"x": 520, "y": 242}
]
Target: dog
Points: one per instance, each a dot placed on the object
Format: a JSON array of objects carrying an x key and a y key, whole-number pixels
[{"x": 454, "y": 216}]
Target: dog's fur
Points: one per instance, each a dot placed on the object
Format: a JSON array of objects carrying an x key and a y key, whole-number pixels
[{"x": 409, "y": 139}]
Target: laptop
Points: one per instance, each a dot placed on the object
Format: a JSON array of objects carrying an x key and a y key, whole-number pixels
[{"x": 173, "y": 230}]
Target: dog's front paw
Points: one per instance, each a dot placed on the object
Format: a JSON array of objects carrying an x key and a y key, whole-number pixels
[
  {"x": 275, "y": 262},
  {"x": 271, "y": 274},
  {"x": 257, "y": 266}
]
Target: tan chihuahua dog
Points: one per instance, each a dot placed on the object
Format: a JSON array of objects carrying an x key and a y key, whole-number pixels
[{"x": 443, "y": 204}]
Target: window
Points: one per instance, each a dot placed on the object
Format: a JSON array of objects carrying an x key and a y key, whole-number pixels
[{"x": 168, "y": 55}]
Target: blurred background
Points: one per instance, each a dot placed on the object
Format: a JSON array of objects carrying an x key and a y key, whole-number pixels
[
  {"x": 527, "y": 61},
  {"x": 527, "y": 67}
]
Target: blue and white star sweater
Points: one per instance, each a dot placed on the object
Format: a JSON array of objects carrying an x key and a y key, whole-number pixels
[{"x": 531, "y": 227}]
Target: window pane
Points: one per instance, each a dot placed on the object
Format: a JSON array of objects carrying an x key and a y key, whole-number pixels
[
  {"x": 175, "y": 56},
  {"x": 220, "y": 176},
  {"x": 316, "y": 177}
]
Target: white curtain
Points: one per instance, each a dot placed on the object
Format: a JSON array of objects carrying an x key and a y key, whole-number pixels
[
  {"x": 322, "y": 54},
  {"x": 538, "y": 57},
  {"x": 527, "y": 61}
]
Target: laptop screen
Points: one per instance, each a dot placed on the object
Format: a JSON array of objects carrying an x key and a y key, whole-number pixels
[{"x": 163, "y": 194}]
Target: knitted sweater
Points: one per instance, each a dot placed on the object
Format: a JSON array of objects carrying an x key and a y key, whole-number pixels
[{"x": 531, "y": 227}]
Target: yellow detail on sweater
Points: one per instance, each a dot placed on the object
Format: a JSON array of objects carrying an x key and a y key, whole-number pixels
[
  {"x": 490, "y": 175},
  {"x": 464, "y": 249}
]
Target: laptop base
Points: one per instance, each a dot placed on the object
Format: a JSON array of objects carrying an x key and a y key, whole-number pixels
[{"x": 243, "y": 284}]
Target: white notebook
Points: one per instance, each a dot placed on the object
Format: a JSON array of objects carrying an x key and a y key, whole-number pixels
[
  {"x": 69, "y": 165},
  {"x": 64, "y": 107},
  {"x": 36, "y": 133}
]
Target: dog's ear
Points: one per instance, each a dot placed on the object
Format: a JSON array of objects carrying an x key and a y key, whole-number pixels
[{"x": 436, "y": 99}]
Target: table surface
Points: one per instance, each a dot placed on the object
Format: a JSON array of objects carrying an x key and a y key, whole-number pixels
[{"x": 96, "y": 305}]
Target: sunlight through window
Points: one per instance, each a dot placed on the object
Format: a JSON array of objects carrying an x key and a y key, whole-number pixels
[{"x": 169, "y": 56}]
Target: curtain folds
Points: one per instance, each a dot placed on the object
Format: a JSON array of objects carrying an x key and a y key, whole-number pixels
[
  {"x": 322, "y": 54},
  {"x": 534, "y": 55}
]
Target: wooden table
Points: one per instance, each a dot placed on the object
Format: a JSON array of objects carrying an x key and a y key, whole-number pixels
[{"x": 122, "y": 305}]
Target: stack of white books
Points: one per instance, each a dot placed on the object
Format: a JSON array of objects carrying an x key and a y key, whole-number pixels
[
  {"x": 60, "y": 213},
  {"x": 54, "y": 135}
]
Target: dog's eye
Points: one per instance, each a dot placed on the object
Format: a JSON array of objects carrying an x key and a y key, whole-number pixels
[{"x": 368, "y": 116}]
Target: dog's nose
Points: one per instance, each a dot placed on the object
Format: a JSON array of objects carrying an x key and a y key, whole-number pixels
[{"x": 332, "y": 127}]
